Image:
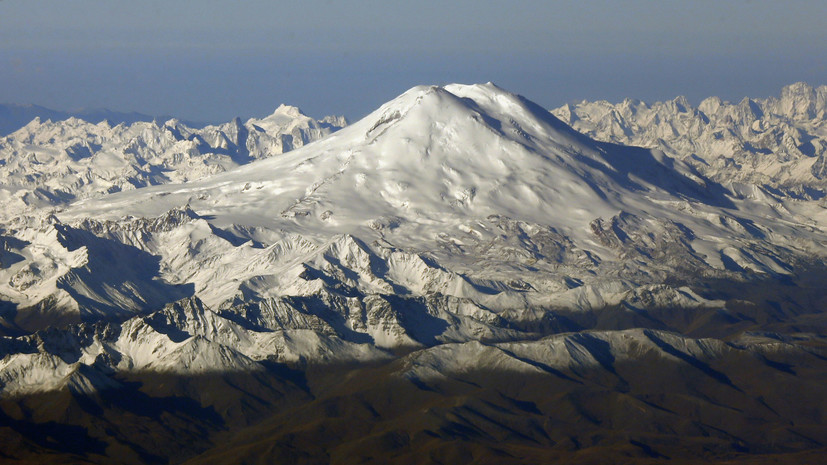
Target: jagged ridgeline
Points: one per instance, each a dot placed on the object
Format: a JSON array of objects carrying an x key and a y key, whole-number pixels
[
  {"x": 48, "y": 163},
  {"x": 779, "y": 143},
  {"x": 458, "y": 276}
]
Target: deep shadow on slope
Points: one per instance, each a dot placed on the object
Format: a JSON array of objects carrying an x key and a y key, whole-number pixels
[
  {"x": 152, "y": 418},
  {"x": 666, "y": 411},
  {"x": 759, "y": 303},
  {"x": 642, "y": 410},
  {"x": 117, "y": 278}
]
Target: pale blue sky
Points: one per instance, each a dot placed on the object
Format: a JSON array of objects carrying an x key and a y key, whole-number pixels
[{"x": 212, "y": 60}]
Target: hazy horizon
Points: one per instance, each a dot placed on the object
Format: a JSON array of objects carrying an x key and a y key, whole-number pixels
[{"x": 211, "y": 61}]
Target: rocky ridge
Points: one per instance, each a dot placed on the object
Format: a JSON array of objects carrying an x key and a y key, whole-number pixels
[{"x": 777, "y": 142}]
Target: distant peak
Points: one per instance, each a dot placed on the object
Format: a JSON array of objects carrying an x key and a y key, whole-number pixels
[
  {"x": 288, "y": 110},
  {"x": 682, "y": 102},
  {"x": 35, "y": 122},
  {"x": 797, "y": 88}
]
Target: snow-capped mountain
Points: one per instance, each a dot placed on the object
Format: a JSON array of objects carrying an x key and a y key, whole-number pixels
[
  {"x": 454, "y": 231},
  {"x": 48, "y": 164},
  {"x": 778, "y": 142},
  {"x": 466, "y": 209}
]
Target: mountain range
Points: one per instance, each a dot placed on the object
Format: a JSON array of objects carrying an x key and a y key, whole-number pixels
[
  {"x": 460, "y": 276},
  {"x": 15, "y": 116},
  {"x": 777, "y": 142},
  {"x": 49, "y": 164}
]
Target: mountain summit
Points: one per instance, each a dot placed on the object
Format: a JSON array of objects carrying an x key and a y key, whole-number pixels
[{"x": 435, "y": 157}]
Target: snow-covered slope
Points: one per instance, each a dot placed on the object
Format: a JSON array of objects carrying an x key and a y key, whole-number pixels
[
  {"x": 428, "y": 162},
  {"x": 450, "y": 214},
  {"x": 48, "y": 164},
  {"x": 780, "y": 142}
]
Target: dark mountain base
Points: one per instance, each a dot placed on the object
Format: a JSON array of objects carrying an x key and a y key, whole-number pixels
[{"x": 639, "y": 411}]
